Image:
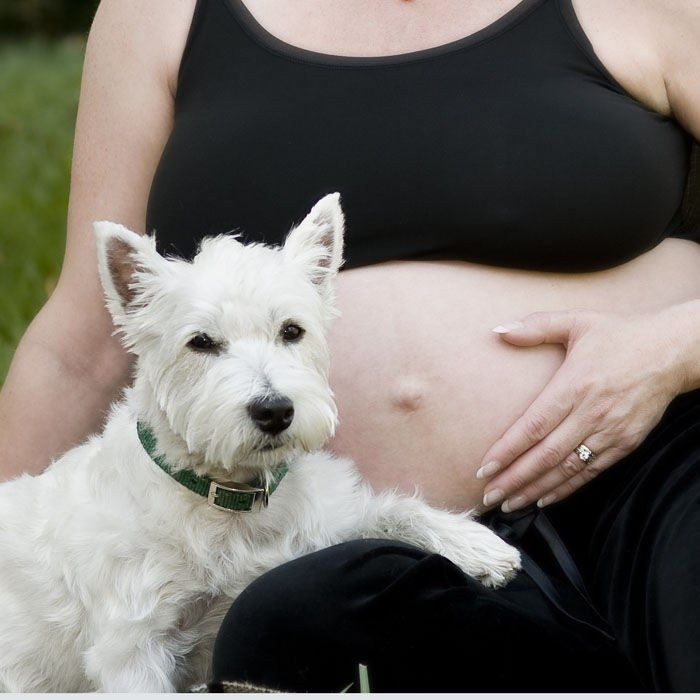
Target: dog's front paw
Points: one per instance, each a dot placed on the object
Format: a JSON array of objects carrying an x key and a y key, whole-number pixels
[
  {"x": 501, "y": 563},
  {"x": 486, "y": 557}
]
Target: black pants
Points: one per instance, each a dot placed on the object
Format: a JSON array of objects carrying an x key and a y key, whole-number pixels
[{"x": 420, "y": 624}]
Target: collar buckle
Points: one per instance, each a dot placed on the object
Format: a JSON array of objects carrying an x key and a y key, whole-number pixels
[{"x": 250, "y": 498}]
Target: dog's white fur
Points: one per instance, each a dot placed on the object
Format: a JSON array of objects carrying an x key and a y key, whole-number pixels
[{"x": 115, "y": 577}]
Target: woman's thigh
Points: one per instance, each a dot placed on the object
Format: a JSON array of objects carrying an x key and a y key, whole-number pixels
[
  {"x": 636, "y": 534},
  {"x": 415, "y": 620}
]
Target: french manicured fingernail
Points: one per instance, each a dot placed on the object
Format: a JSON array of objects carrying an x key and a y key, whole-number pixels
[
  {"x": 492, "y": 497},
  {"x": 508, "y": 327},
  {"x": 546, "y": 500},
  {"x": 513, "y": 504},
  {"x": 488, "y": 469}
]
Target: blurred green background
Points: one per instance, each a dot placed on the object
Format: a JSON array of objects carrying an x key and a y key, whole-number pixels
[{"x": 42, "y": 43}]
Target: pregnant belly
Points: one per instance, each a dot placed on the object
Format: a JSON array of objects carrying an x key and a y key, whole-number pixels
[{"x": 422, "y": 384}]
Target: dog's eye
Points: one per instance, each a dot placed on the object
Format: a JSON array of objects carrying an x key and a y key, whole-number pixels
[
  {"x": 203, "y": 343},
  {"x": 291, "y": 332}
]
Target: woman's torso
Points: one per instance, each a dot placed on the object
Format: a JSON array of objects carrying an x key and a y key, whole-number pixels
[
  {"x": 509, "y": 150},
  {"x": 423, "y": 385}
]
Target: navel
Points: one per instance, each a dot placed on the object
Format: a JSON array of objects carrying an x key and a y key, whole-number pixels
[{"x": 407, "y": 393}]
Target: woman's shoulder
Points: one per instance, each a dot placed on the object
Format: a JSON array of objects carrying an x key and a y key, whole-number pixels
[
  {"x": 676, "y": 27},
  {"x": 651, "y": 47}
]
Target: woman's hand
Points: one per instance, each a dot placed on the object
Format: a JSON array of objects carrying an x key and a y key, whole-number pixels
[{"x": 619, "y": 375}]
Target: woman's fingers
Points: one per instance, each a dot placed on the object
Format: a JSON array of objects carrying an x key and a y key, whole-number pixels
[
  {"x": 551, "y": 494},
  {"x": 556, "y": 400},
  {"x": 555, "y": 450},
  {"x": 567, "y": 477},
  {"x": 540, "y": 327},
  {"x": 548, "y": 410}
]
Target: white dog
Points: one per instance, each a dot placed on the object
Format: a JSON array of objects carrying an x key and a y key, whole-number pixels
[{"x": 119, "y": 561}]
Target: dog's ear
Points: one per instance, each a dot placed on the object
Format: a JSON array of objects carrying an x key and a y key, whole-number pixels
[
  {"x": 125, "y": 260},
  {"x": 317, "y": 242}
]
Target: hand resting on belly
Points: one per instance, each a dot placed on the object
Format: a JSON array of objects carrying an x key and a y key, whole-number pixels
[{"x": 424, "y": 387}]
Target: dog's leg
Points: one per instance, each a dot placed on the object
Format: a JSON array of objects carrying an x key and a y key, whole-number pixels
[
  {"x": 471, "y": 546},
  {"x": 153, "y": 648},
  {"x": 198, "y": 667},
  {"x": 138, "y": 647},
  {"x": 121, "y": 664}
]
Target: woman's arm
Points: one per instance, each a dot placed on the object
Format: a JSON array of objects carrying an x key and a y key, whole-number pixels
[{"x": 68, "y": 367}]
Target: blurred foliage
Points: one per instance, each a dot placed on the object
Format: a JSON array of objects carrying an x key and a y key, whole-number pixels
[
  {"x": 39, "y": 85},
  {"x": 49, "y": 17}
]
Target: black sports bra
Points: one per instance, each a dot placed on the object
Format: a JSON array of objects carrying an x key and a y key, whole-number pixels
[{"x": 513, "y": 146}]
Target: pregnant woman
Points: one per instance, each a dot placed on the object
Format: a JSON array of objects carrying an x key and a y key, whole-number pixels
[{"x": 520, "y": 310}]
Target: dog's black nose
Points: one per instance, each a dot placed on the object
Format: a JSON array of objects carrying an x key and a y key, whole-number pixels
[{"x": 272, "y": 415}]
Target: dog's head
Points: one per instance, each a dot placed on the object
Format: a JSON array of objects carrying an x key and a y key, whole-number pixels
[{"x": 232, "y": 346}]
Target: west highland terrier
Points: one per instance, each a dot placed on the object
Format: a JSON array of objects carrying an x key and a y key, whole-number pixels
[{"x": 118, "y": 563}]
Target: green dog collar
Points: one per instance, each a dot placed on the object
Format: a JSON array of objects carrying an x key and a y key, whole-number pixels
[{"x": 228, "y": 495}]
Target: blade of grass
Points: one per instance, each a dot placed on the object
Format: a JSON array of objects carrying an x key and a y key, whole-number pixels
[{"x": 364, "y": 679}]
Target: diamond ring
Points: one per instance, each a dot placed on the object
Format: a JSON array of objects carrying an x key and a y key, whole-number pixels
[{"x": 585, "y": 454}]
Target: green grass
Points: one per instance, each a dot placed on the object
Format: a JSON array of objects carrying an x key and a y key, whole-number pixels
[
  {"x": 363, "y": 676},
  {"x": 39, "y": 83}
]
